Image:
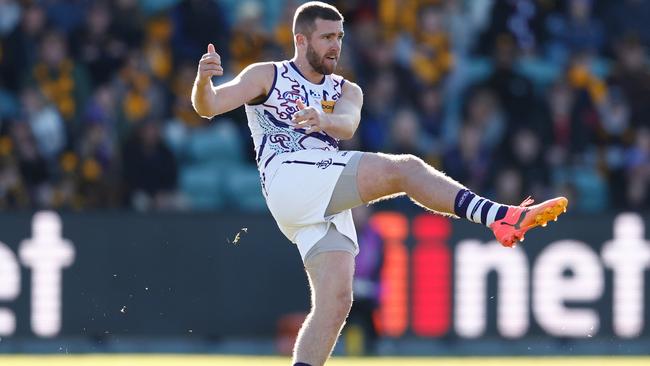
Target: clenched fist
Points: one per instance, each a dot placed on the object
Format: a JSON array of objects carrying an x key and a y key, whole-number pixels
[{"x": 210, "y": 64}]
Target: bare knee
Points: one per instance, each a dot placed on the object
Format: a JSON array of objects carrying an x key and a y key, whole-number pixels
[
  {"x": 405, "y": 166},
  {"x": 396, "y": 166},
  {"x": 343, "y": 306},
  {"x": 336, "y": 308}
]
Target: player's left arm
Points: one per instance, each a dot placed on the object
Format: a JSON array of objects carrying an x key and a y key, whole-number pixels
[{"x": 342, "y": 122}]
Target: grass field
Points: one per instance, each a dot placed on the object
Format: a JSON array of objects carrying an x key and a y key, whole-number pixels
[{"x": 198, "y": 360}]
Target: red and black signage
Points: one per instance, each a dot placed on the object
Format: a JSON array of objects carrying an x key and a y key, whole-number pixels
[{"x": 170, "y": 275}]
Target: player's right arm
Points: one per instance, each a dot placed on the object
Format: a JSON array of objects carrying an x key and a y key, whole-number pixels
[{"x": 251, "y": 84}]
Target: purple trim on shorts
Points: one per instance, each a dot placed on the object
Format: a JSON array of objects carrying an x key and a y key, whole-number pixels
[
  {"x": 303, "y": 76},
  {"x": 268, "y": 94},
  {"x": 308, "y": 162},
  {"x": 298, "y": 162}
]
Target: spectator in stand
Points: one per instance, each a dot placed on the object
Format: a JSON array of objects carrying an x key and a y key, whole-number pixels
[
  {"x": 249, "y": 39},
  {"x": 150, "y": 173},
  {"x": 638, "y": 171},
  {"x": 521, "y": 20},
  {"x": 195, "y": 24},
  {"x": 405, "y": 135},
  {"x": 157, "y": 47},
  {"x": 632, "y": 74},
  {"x": 484, "y": 111},
  {"x": 470, "y": 161},
  {"x": 98, "y": 152},
  {"x": 590, "y": 92},
  {"x": 427, "y": 51},
  {"x": 282, "y": 33},
  {"x": 34, "y": 173},
  {"x": 66, "y": 16},
  {"x": 46, "y": 125},
  {"x": 629, "y": 18},
  {"x": 23, "y": 42},
  {"x": 526, "y": 151},
  {"x": 509, "y": 185},
  {"x": 513, "y": 89},
  {"x": 10, "y": 12},
  {"x": 466, "y": 19},
  {"x": 60, "y": 79},
  {"x": 577, "y": 31},
  {"x": 560, "y": 107},
  {"x": 128, "y": 22},
  {"x": 432, "y": 122},
  {"x": 379, "y": 108},
  {"x": 96, "y": 46},
  {"x": 138, "y": 92},
  {"x": 12, "y": 187}
]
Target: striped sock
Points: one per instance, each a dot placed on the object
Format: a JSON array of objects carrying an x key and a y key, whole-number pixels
[{"x": 478, "y": 209}]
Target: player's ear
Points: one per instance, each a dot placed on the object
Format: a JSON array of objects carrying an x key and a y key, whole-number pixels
[{"x": 300, "y": 39}]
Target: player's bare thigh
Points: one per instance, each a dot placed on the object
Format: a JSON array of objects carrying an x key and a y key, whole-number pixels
[
  {"x": 373, "y": 177},
  {"x": 380, "y": 175}
]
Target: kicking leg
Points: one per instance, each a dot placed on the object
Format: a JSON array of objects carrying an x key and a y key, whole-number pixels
[{"x": 382, "y": 175}]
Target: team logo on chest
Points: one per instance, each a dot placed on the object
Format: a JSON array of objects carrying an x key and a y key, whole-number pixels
[{"x": 292, "y": 96}]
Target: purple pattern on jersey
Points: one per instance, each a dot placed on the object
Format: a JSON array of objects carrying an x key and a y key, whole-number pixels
[
  {"x": 288, "y": 107},
  {"x": 319, "y": 135},
  {"x": 337, "y": 86},
  {"x": 280, "y": 139}
]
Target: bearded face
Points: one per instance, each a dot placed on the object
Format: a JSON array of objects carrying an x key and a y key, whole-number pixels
[
  {"x": 322, "y": 64},
  {"x": 324, "y": 46}
]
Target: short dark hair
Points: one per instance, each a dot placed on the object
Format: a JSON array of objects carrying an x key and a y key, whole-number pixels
[{"x": 305, "y": 17}]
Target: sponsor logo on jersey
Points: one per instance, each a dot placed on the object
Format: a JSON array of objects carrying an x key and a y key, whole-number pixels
[{"x": 327, "y": 105}]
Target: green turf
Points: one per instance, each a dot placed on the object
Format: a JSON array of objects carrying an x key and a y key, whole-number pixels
[{"x": 201, "y": 360}]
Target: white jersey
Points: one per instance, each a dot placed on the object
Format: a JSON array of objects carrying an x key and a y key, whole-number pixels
[{"x": 270, "y": 121}]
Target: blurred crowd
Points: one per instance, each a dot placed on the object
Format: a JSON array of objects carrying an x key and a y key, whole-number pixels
[{"x": 510, "y": 97}]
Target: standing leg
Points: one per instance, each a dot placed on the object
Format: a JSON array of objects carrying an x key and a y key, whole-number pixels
[{"x": 330, "y": 279}]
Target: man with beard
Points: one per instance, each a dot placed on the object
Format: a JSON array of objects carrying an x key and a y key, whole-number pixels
[{"x": 298, "y": 111}]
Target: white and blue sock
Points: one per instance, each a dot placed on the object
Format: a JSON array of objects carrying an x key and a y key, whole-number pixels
[{"x": 478, "y": 209}]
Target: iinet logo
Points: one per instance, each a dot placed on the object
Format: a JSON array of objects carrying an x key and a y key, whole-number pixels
[
  {"x": 46, "y": 253},
  {"x": 559, "y": 288}
]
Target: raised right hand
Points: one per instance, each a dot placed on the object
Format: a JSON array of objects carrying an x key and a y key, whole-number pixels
[{"x": 210, "y": 64}]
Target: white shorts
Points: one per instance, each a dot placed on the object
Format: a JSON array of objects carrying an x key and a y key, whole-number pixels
[{"x": 299, "y": 192}]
